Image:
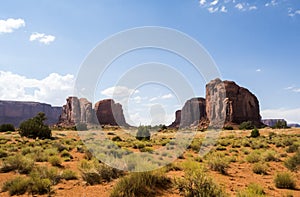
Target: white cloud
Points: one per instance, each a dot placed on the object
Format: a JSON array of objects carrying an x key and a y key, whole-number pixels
[
  {"x": 223, "y": 9},
  {"x": 53, "y": 89},
  {"x": 202, "y": 2},
  {"x": 42, "y": 38},
  {"x": 239, "y": 6},
  {"x": 271, "y": 3},
  {"x": 292, "y": 13},
  {"x": 252, "y": 8},
  {"x": 212, "y": 10},
  {"x": 215, "y": 2},
  {"x": 153, "y": 99},
  {"x": 258, "y": 70},
  {"x": 9, "y": 25},
  {"x": 290, "y": 115},
  {"x": 293, "y": 89},
  {"x": 118, "y": 92},
  {"x": 167, "y": 96}
]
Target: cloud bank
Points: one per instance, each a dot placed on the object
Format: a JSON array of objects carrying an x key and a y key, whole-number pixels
[
  {"x": 9, "y": 25},
  {"x": 53, "y": 89}
]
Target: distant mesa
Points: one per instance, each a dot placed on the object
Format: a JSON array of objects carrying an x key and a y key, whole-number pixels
[
  {"x": 105, "y": 112},
  {"x": 225, "y": 101},
  {"x": 15, "y": 112},
  {"x": 273, "y": 122},
  {"x": 110, "y": 113},
  {"x": 294, "y": 125}
]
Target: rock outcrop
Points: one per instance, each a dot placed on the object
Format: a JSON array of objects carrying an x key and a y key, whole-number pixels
[
  {"x": 192, "y": 112},
  {"x": 229, "y": 103},
  {"x": 77, "y": 111},
  {"x": 14, "y": 112},
  {"x": 176, "y": 123},
  {"x": 273, "y": 122},
  {"x": 110, "y": 113}
]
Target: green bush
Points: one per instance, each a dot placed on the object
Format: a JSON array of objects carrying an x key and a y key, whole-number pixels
[
  {"x": 292, "y": 148},
  {"x": 284, "y": 180},
  {"x": 252, "y": 190},
  {"x": 143, "y": 133},
  {"x": 69, "y": 175},
  {"x": 44, "y": 172},
  {"x": 40, "y": 186},
  {"x": 7, "y": 127},
  {"x": 140, "y": 184},
  {"x": 198, "y": 183},
  {"x": 35, "y": 127},
  {"x": 228, "y": 128},
  {"x": 116, "y": 139},
  {"x": 254, "y": 157},
  {"x": 270, "y": 155},
  {"x": 3, "y": 153},
  {"x": 255, "y": 133},
  {"x": 55, "y": 161},
  {"x": 81, "y": 126},
  {"x": 17, "y": 162},
  {"x": 218, "y": 163},
  {"x": 260, "y": 168},
  {"x": 16, "y": 186},
  {"x": 246, "y": 125},
  {"x": 293, "y": 162},
  {"x": 94, "y": 172}
]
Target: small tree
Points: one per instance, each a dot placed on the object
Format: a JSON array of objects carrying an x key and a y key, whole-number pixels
[
  {"x": 280, "y": 124},
  {"x": 255, "y": 133},
  {"x": 143, "y": 133},
  {"x": 246, "y": 126},
  {"x": 35, "y": 127},
  {"x": 7, "y": 127}
]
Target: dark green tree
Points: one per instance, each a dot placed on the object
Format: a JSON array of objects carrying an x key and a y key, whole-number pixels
[
  {"x": 35, "y": 127},
  {"x": 143, "y": 133}
]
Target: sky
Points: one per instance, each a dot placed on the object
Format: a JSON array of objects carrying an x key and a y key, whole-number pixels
[{"x": 254, "y": 43}]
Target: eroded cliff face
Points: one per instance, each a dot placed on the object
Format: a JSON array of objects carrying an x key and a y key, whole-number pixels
[
  {"x": 227, "y": 101},
  {"x": 110, "y": 113},
  {"x": 15, "y": 112},
  {"x": 106, "y": 112},
  {"x": 77, "y": 111}
]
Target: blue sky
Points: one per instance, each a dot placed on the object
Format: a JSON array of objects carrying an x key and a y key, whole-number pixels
[{"x": 255, "y": 43}]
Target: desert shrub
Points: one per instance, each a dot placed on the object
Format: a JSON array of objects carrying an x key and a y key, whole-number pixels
[
  {"x": 81, "y": 126},
  {"x": 255, "y": 133},
  {"x": 195, "y": 145},
  {"x": 66, "y": 154},
  {"x": 55, "y": 161},
  {"x": 284, "y": 180},
  {"x": 35, "y": 127},
  {"x": 94, "y": 172},
  {"x": 116, "y": 139},
  {"x": 270, "y": 156},
  {"x": 254, "y": 157},
  {"x": 147, "y": 149},
  {"x": 7, "y": 127},
  {"x": 198, "y": 183},
  {"x": 38, "y": 154},
  {"x": 143, "y": 133},
  {"x": 140, "y": 184},
  {"x": 3, "y": 153},
  {"x": 44, "y": 172},
  {"x": 228, "y": 128},
  {"x": 260, "y": 168},
  {"x": 292, "y": 148},
  {"x": 217, "y": 162},
  {"x": 252, "y": 190},
  {"x": 40, "y": 186},
  {"x": 293, "y": 162},
  {"x": 246, "y": 125},
  {"x": 69, "y": 175},
  {"x": 17, "y": 162},
  {"x": 51, "y": 152},
  {"x": 16, "y": 186}
]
